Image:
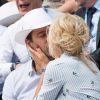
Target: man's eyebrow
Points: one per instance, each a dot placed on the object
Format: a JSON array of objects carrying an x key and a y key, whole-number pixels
[{"x": 42, "y": 31}]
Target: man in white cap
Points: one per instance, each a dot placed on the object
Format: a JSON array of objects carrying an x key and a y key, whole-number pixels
[
  {"x": 21, "y": 83},
  {"x": 8, "y": 46}
]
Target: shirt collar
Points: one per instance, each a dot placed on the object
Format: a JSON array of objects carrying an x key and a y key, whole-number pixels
[{"x": 30, "y": 69}]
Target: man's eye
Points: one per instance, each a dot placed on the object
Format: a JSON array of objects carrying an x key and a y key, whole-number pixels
[{"x": 43, "y": 35}]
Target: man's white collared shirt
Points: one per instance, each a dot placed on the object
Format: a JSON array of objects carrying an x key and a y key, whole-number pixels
[{"x": 21, "y": 83}]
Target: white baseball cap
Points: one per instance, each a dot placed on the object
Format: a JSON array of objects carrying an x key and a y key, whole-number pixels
[
  {"x": 35, "y": 19},
  {"x": 9, "y": 13}
]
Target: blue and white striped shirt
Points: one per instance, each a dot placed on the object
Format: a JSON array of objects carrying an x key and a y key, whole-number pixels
[{"x": 68, "y": 78}]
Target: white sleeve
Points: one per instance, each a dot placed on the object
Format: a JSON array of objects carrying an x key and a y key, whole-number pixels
[
  {"x": 6, "y": 50},
  {"x": 4, "y": 71},
  {"x": 6, "y": 53},
  {"x": 8, "y": 89},
  {"x": 52, "y": 83}
]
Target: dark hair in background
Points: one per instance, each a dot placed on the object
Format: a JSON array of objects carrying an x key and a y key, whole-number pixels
[
  {"x": 3, "y": 2},
  {"x": 29, "y": 37}
]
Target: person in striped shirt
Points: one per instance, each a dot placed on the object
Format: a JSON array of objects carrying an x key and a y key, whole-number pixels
[{"x": 72, "y": 75}]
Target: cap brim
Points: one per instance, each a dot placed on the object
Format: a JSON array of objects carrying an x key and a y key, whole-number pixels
[{"x": 21, "y": 36}]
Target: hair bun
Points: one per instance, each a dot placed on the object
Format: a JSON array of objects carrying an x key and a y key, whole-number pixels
[{"x": 70, "y": 33}]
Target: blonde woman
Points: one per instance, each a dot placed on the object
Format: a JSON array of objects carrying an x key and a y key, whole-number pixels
[{"x": 71, "y": 76}]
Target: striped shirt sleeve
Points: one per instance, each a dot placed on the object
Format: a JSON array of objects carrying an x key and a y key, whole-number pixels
[{"x": 52, "y": 83}]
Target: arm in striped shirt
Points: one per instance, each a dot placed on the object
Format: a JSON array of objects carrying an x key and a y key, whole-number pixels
[{"x": 52, "y": 84}]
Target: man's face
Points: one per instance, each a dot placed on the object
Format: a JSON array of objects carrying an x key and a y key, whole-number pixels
[
  {"x": 39, "y": 40},
  {"x": 87, "y": 3},
  {"x": 25, "y": 6}
]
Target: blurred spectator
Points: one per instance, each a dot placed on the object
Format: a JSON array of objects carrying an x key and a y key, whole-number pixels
[
  {"x": 70, "y": 6},
  {"x": 90, "y": 12},
  {"x": 9, "y": 14},
  {"x": 52, "y": 3}
]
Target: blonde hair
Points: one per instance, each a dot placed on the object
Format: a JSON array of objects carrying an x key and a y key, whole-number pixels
[{"x": 70, "y": 34}]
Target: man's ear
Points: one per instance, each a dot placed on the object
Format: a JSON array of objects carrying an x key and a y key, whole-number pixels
[{"x": 28, "y": 43}]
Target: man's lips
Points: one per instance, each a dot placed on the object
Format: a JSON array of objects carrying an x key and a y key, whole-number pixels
[{"x": 24, "y": 6}]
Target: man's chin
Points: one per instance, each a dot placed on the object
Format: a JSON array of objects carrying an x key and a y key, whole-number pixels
[{"x": 23, "y": 12}]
